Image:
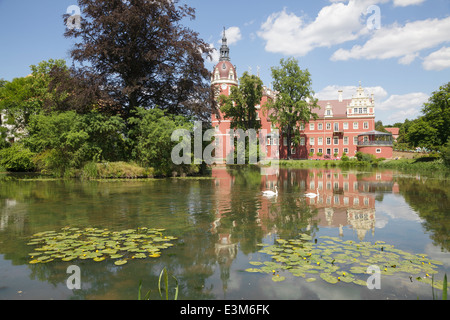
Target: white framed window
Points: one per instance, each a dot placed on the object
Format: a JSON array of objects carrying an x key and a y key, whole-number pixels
[
  {"x": 378, "y": 150},
  {"x": 328, "y": 126},
  {"x": 311, "y": 126},
  {"x": 311, "y": 141},
  {"x": 355, "y": 141},
  {"x": 320, "y": 150},
  {"x": 345, "y": 141},
  {"x": 320, "y": 141},
  {"x": 355, "y": 125},
  {"x": 345, "y": 125},
  {"x": 366, "y": 125},
  {"x": 320, "y": 126},
  {"x": 336, "y": 127},
  {"x": 311, "y": 150},
  {"x": 336, "y": 141},
  {"x": 302, "y": 126},
  {"x": 328, "y": 141},
  {"x": 302, "y": 141},
  {"x": 275, "y": 141},
  {"x": 346, "y": 150},
  {"x": 336, "y": 150}
]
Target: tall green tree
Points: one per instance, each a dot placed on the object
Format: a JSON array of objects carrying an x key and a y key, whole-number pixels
[
  {"x": 23, "y": 97},
  {"x": 151, "y": 135},
  {"x": 145, "y": 55},
  {"x": 437, "y": 113},
  {"x": 294, "y": 102},
  {"x": 240, "y": 106},
  {"x": 422, "y": 134}
]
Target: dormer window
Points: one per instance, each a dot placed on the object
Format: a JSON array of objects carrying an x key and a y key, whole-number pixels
[{"x": 329, "y": 110}]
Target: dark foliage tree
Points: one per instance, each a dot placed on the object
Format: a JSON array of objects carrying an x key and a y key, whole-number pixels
[
  {"x": 145, "y": 55},
  {"x": 80, "y": 91}
]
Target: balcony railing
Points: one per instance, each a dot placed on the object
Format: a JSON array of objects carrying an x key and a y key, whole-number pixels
[{"x": 375, "y": 143}]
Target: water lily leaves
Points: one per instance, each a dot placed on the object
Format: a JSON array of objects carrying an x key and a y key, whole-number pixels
[
  {"x": 98, "y": 244},
  {"x": 328, "y": 277},
  {"x": 120, "y": 262},
  {"x": 336, "y": 261},
  {"x": 253, "y": 270},
  {"x": 278, "y": 278},
  {"x": 98, "y": 259}
]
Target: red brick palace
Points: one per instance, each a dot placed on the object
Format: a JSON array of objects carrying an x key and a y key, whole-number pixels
[{"x": 343, "y": 125}]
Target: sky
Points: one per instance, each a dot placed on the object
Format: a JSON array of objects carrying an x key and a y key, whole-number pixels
[{"x": 398, "y": 49}]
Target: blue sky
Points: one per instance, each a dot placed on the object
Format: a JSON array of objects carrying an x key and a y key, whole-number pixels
[{"x": 402, "y": 62}]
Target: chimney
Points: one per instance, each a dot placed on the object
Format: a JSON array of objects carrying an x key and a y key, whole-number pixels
[{"x": 340, "y": 95}]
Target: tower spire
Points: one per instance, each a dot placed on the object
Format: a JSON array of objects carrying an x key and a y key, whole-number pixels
[{"x": 224, "y": 50}]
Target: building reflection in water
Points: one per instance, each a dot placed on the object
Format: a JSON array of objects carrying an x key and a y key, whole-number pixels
[{"x": 346, "y": 199}]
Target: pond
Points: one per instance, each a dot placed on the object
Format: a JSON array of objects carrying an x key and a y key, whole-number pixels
[{"x": 221, "y": 228}]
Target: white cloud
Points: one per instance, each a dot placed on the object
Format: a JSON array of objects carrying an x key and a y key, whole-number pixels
[
  {"x": 343, "y": 21},
  {"x": 331, "y": 92},
  {"x": 403, "y": 42},
  {"x": 401, "y": 107},
  {"x": 438, "y": 60},
  {"x": 233, "y": 35},
  {"x": 336, "y": 23},
  {"x": 405, "y": 3},
  {"x": 388, "y": 108},
  {"x": 215, "y": 55}
]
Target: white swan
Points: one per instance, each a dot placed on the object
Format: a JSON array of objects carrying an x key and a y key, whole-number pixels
[
  {"x": 312, "y": 195},
  {"x": 270, "y": 193}
]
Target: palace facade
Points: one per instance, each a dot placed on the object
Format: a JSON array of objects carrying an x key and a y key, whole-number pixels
[{"x": 343, "y": 126}]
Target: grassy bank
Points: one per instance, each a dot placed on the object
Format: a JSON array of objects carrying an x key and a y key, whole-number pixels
[
  {"x": 429, "y": 166},
  {"x": 127, "y": 170}
]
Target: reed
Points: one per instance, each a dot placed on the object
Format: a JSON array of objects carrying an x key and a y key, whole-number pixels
[{"x": 163, "y": 285}]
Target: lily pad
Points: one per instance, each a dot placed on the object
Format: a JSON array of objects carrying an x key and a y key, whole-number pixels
[
  {"x": 278, "y": 278},
  {"x": 98, "y": 244},
  {"x": 340, "y": 261},
  {"x": 120, "y": 262}
]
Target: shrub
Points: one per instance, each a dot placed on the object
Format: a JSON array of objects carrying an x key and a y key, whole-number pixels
[
  {"x": 151, "y": 134},
  {"x": 365, "y": 157},
  {"x": 17, "y": 158},
  {"x": 114, "y": 170}
]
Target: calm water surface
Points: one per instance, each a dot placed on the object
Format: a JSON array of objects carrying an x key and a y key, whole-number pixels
[{"x": 219, "y": 223}]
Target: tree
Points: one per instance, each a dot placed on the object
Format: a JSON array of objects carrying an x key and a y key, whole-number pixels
[
  {"x": 67, "y": 140},
  {"x": 240, "y": 106},
  {"x": 422, "y": 134},
  {"x": 380, "y": 127},
  {"x": 151, "y": 135},
  {"x": 59, "y": 139},
  {"x": 294, "y": 102},
  {"x": 78, "y": 91},
  {"x": 437, "y": 114},
  {"x": 146, "y": 56},
  {"x": 23, "y": 97}
]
